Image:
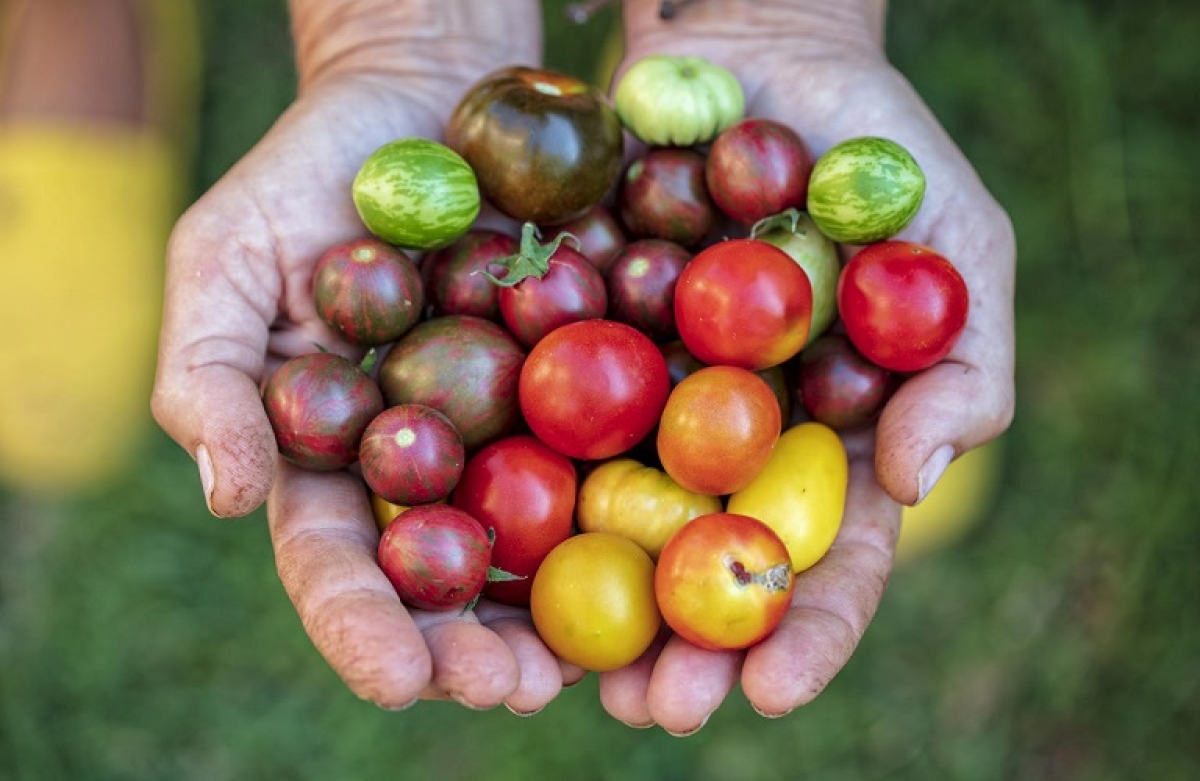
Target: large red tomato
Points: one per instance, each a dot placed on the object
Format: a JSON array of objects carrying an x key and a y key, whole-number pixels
[
  {"x": 594, "y": 388},
  {"x": 743, "y": 302},
  {"x": 903, "y": 304},
  {"x": 525, "y": 493}
]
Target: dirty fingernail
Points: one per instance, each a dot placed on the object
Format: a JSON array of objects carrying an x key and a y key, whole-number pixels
[
  {"x": 207, "y": 479},
  {"x": 932, "y": 471}
]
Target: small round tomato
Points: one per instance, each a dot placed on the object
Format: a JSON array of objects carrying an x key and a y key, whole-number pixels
[
  {"x": 718, "y": 428},
  {"x": 525, "y": 493},
  {"x": 795, "y": 233},
  {"x": 368, "y": 291},
  {"x": 639, "y": 502},
  {"x": 599, "y": 234},
  {"x": 593, "y": 389},
  {"x": 801, "y": 492},
  {"x": 743, "y": 302},
  {"x": 662, "y": 195},
  {"x": 724, "y": 581},
  {"x": 641, "y": 286},
  {"x": 546, "y": 146},
  {"x": 436, "y": 557},
  {"x": 757, "y": 168},
  {"x": 593, "y": 601},
  {"x": 668, "y": 100},
  {"x": 864, "y": 190},
  {"x": 838, "y": 386},
  {"x": 903, "y": 304},
  {"x": 411, "y": 454},
  {"x": 454, "y": 276}
]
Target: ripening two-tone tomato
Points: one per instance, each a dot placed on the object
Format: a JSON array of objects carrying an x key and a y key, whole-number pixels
[
  {"x": 903, "y": 304},
  {"x": 743, "y": 302}
]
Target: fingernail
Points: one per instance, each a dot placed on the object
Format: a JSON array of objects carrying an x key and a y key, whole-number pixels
[
  {"x": 767, "y": 715},
  {"x": 461, "y": 700},
  {"x": 691, "y": 731},
  {"x": 205, "y": 464},
  {"x": 932, "y": 471},
  {"x": 400, "y": 707},
  {"x": 638, "y": 725},
  {"x": 522, "y": 713}
]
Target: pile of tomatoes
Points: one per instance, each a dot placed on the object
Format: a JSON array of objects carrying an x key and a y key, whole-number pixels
[{"x": 627, "y": 415}]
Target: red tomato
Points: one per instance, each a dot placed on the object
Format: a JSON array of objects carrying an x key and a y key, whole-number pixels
[
  {"x": 724, "y": 581},
  {"x": 743, "y": 302},
  {"x": 717, "y": 429},
  {"x": 904, "y": 305},
  {"x": 525, "y": 493},
  {"x": 594, "y": 388}
]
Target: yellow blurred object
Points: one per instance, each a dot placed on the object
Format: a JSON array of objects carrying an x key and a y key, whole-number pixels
[
  {"x": 958, "y": 501},
  {"x": 85, "y": 213},
  {"x": 384, "y": 511}
]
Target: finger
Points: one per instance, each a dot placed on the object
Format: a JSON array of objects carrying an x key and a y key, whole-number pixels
[
  {"x": 688, "y": 684},
  {"x": 471, "y": 664},
  {"x": 325, "y": 547},
  {"x": 624, "y": 692},
  {"x": 833, "y": 603},
  {"x": 539, "y": 676}
]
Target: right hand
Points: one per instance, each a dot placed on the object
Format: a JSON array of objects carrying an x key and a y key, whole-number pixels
[{"x": 238, "y": 303}]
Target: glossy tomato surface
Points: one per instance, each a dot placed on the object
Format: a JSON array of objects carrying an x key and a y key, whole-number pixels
[
  {"x": 593, "y": 389},
  {"x": 903, "y": 304},
  {"x": 743, "y": 302},
  {"x": 724, "y": 581},
  {"x": 435, "y": 556},
  {"x": 546, "y": 146},
  {"x": 525, "y": 493}
]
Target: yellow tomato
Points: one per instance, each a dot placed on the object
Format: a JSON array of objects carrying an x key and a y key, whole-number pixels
[
  {"x": 593, "y": 601},
  {"x": 384, "y": 511},
  {"x": 801, "y": 493},
  {"x": 640, "y": 502}
]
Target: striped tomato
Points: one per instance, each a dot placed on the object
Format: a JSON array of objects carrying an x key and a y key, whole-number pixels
[{"x": 865, "y": 189}]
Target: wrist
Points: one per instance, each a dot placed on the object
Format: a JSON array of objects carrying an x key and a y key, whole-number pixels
[{"x": 456, "y": 40}]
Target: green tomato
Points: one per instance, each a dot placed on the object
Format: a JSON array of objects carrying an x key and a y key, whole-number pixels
[
  {"x": 668, "y": 100},
  {"x": 795, "y": 233},
  {"x": 417, "y": 194},
  {"x": 865, "y": 190}
]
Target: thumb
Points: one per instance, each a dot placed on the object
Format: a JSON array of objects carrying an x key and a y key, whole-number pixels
[{"x": 212, "y": 348}]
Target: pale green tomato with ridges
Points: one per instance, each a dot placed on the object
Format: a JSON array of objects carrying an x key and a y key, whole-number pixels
[
  {"x": 668, "y": 100},
  {"x": 795, "y": 233},
  {"x": 864, "y": 190},
  {"x": 417, "y": 194}
]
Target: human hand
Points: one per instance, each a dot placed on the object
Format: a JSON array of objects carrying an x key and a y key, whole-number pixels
[
  {"x": 819, "y": 66},
  {"x": 238, "y": 303}
]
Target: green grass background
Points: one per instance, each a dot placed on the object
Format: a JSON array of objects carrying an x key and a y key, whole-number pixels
[{"x": 141, "y": 639}]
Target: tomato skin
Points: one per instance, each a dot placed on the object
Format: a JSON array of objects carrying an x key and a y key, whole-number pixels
[
  {"x": 571, "y": 289},
  {"x": 453, "y": 278},
  {"x": 801, "y": 492},
  {"x": 743, "y": 302},
  {"x": 639, "y": 502},
  {"x": 724, "y": 581},
  {"x": 435, "y": 556},
  {"x": 668, "y": 100},
  {"x": 599, "y": 234},
  {"x": 411, "y": 454},
  {"x": 662, "y": 195},
  {"x": 757, "y": 168},
  {"x": 525, "y": 492},
  {"x": 718, "y": 428},
  {"x": 368, "y": 291},
  {"x": 593, "y": 389},
  {"x": 903, "y": 304},
  {"x": 593, "y": 601},
  {"x": 641, "y": 286}
]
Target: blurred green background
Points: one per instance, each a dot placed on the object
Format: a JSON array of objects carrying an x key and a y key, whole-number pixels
[{"x": 141, "y": 639}]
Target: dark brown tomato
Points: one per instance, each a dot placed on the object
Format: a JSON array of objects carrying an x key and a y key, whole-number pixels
[
  {"x": 641, "y": 286},
  {"x": 545, "y": 146},
  {"x": 839, "y": 386},
  {"x": 663, "y": 195},
  {"x": 465, "y": 367},
  {"x": 454, "y": 282}
]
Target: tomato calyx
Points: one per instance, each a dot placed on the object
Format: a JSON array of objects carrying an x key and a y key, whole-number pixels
[
  {"x": 787, "y": 221},
  {"x": 776, "y": 578},
  {"x": 532, "y": 258}
]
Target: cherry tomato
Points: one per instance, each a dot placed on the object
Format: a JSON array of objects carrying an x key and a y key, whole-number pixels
[
  {"x": 594, "y": 388},
  {"x": 525, "y": 493},
  {"x": 593, "y": 601},
  {"x": 639, "y": 502},
  {"x": 724, "y": 581},
  {"x": 718, "y": 428},
  {"x": 903, "y": 304},
  {"x": 743, "y": 302},
  {"x": 435, "y": 556}
]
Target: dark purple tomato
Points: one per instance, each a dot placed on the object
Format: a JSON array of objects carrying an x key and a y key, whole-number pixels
[
  {"x": 454, "y": 282},
  {"x": 465, "y": 367},
  {"x": 411, "y": 454},
  {"x": 757, "y": 168},
  {"x": 547, "y": 286},
  {"x": 367, "y": 291},
  {"x": 318, "y": 406},
  {"x": 436, "y": 557},
  {"x": 545, "y": 146},
  {"x": 839, "y": 386},
  {"x": 641, "y": 286},
  {"x": 600, "y": 235},
  {"x": 663, "y": 196}
]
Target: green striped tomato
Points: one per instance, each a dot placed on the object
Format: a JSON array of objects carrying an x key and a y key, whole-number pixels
[
  {"x": 417, "y": 194},
  {"x": 865, "y": 189}
]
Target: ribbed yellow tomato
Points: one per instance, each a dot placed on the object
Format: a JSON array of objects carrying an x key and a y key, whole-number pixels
[
  {"x": 640, "y": 502},
  {"x": 801, "y": 493},
  {"x": 593, "y": 601}
]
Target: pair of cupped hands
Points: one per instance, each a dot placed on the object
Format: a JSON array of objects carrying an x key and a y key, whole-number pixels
[{"x": 238, "y": 303}]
